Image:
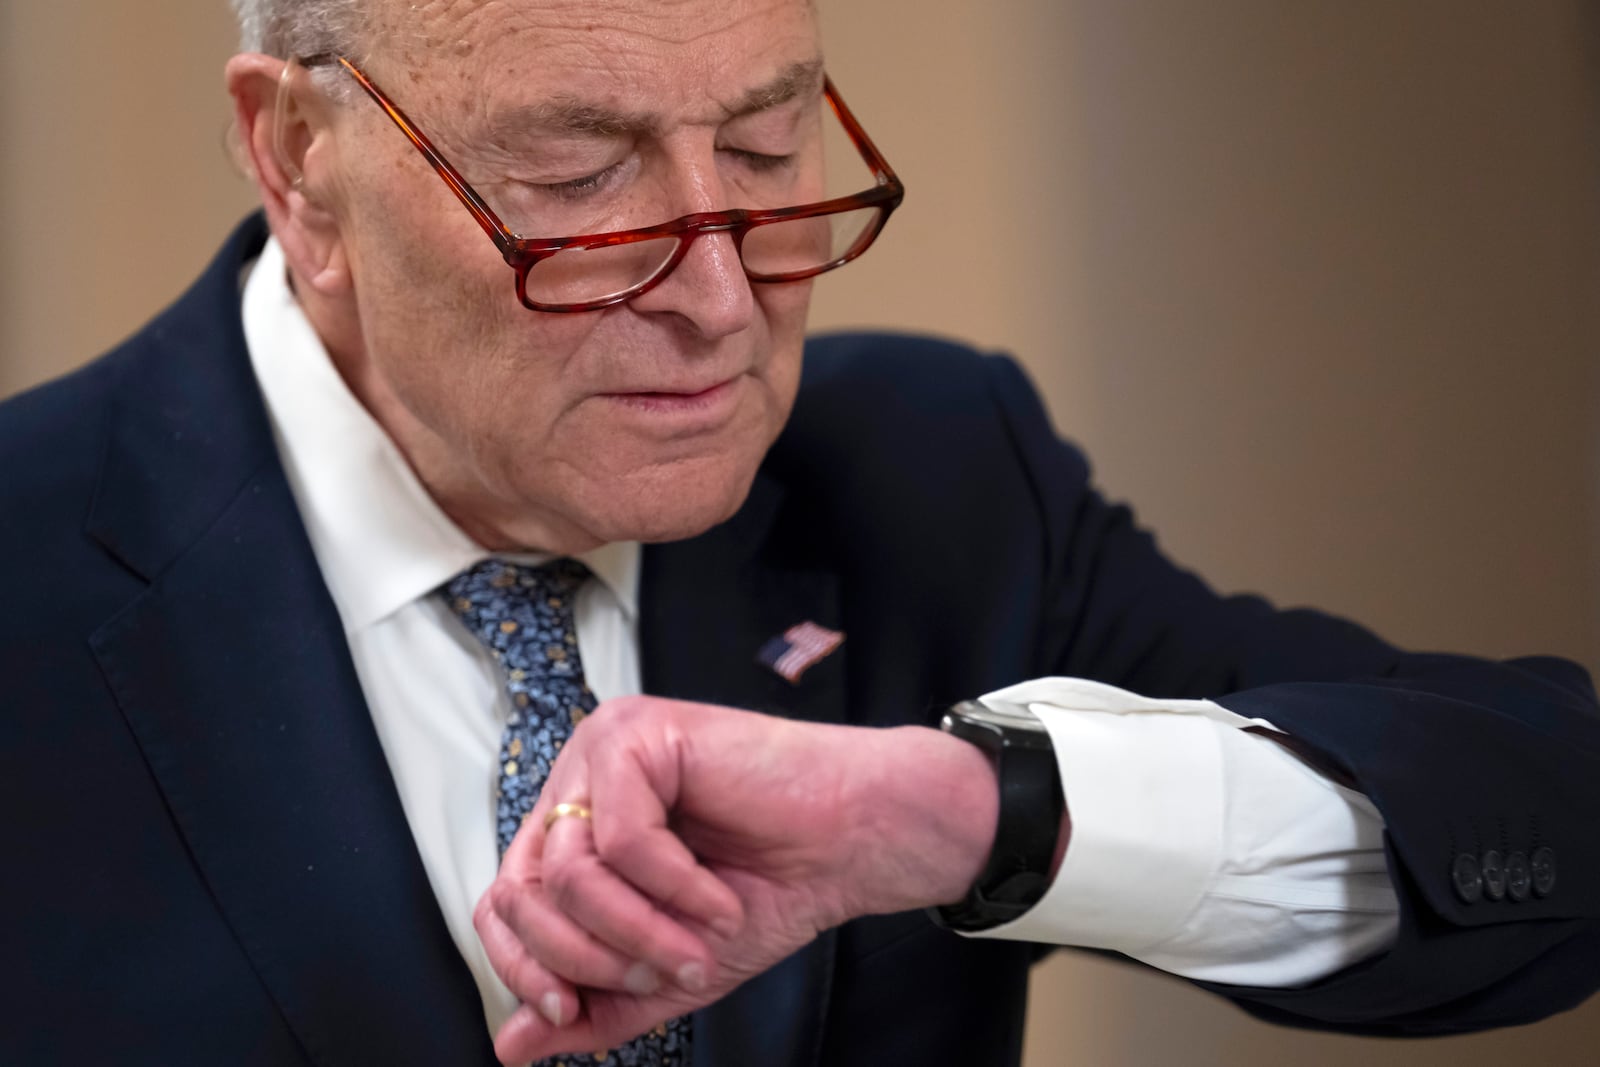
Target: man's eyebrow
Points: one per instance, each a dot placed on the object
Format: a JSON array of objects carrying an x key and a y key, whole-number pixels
[
  {"x": 564, "y": 114},
  {"x": 796, "y": 80}
]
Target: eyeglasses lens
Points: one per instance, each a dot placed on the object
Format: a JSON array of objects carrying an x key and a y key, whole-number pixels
[
  {"x": 580, "y": 275},
  {"x": 797, "y": 248}
]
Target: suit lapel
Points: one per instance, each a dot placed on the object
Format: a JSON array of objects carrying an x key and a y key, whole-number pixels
[
  {"x": 706, "y": 607},
  {"x": 234, "y": 676}
]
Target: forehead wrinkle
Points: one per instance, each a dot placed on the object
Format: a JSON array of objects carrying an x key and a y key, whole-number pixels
[
  {"x": 469, "y": 24},
  {"x": 564, "y": 113},
  {"x": 661, "y": 22}
]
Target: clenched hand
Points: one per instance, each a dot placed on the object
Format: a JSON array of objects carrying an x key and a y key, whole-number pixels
[{"x": 720, "y": 842}]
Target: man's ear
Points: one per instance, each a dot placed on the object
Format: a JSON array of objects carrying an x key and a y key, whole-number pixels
[{"x": 283, "y": 140}]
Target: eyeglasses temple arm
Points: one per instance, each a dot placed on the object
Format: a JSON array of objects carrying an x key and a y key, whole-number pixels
[
  {"x": 468, "y": 196},
  {"x": 880, "y": 167}
]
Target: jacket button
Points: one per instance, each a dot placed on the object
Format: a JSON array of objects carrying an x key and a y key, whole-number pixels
[
  {"x": 1494, "y": 875},
  {"x": 1519, "y": 879},
  {"x": 1544, "y": 871},
  {"x": 1468, "y": 881}
]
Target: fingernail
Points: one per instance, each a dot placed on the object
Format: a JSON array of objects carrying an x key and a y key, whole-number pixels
[
  {"x": 641, "y": 980},
  {"x": 692, "y": 977},
  {"x": 550, "y": 1008}
]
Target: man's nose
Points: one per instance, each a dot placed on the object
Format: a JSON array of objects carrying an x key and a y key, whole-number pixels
[{"x": 708, "y": 287}]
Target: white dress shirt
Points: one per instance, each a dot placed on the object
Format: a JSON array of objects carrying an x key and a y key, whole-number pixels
[{"x": 1203, "y": 850}]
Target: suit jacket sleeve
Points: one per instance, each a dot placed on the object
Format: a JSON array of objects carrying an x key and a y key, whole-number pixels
[{"x": 1460, "y": 755}]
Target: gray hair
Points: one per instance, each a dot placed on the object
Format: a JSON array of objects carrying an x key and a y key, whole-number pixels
[{"x": 287, "y": 28}]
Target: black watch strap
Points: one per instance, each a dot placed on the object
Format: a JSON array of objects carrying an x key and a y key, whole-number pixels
[{"x": 1031, "y": 805}]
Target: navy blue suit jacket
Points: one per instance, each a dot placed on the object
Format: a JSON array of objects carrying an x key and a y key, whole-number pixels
[{"x": 207, "y": 859}]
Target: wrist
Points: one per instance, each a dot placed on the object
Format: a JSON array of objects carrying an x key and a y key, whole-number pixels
[
  {"x": 968, "y": 802},
  {"x": 930, "y": 808}
]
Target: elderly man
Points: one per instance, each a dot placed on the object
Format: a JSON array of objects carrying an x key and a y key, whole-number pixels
[{"x": 313, "y": 581}]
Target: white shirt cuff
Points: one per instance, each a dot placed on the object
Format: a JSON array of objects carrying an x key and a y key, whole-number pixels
[{"x": 1198, "y": 848}]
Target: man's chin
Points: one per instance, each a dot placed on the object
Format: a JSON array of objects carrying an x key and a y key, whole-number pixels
[
  {"x": 670, "y": 510},
  {"x": 676, "y": 524}
]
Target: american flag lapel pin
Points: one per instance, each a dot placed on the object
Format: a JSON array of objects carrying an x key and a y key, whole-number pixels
[{"x": 798, "y": 649}]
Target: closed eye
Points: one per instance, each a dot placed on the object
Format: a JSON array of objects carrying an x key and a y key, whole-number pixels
[
  {"x": 580, "y": 188},
  {"x": 759, "y": 161}
]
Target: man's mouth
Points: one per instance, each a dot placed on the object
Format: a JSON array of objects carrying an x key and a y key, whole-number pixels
[{"x": 710, "y": 401}]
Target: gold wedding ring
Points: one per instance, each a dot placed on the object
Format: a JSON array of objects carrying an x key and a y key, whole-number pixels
[{"x": 577, "y": 811}]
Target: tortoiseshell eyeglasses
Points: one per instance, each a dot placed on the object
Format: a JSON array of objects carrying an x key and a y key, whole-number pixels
[{"x": 593, "y": 271}]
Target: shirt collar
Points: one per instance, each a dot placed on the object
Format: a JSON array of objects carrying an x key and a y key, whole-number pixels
[{"x": 379, "y": 538}]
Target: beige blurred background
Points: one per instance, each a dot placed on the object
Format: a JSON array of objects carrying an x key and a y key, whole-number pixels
[{"x": 1315, "y": 282}]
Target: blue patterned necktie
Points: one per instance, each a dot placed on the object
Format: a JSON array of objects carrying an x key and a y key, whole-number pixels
[{"x": 524, "y": 616}]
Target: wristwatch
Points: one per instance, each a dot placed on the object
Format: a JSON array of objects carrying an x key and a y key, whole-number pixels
[{"x": 1031, "y": 804}]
